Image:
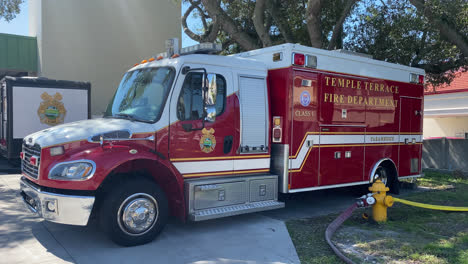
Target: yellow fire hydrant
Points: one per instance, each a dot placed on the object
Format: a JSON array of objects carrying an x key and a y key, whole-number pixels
[{"x": 382, "y": 201}]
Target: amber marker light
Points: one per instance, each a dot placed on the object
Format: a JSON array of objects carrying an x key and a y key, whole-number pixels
[
  {"x": 144, "y": 61},
  {"x": 159, "y": 58},
  {"x": 136, "y": 64},
  {"x": 175, "y": 56},
  {"x": 151, "y": 59}
]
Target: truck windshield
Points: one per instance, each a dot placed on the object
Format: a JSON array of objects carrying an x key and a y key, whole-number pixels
[{"x": 141, "y": 94}]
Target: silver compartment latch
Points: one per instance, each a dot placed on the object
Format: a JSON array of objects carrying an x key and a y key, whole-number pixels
[
  {"x": 221, "y": 195},
  {"x": 262, "y": 190}
]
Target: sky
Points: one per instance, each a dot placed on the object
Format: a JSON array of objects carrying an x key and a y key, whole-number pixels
[{"x": 20, "y": 25}]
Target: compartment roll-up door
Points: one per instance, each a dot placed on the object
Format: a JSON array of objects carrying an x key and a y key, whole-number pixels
[{"x": 253, "y": 102}]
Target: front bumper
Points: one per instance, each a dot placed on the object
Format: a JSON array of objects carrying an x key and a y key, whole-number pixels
[{"x": 58, "y": 208}]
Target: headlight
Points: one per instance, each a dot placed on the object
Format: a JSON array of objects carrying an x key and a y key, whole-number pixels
[
  {"x": 73, "y": 171},
  {"x": 55, "y": 151}
]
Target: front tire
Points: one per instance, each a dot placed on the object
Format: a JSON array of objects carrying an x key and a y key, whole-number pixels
[{"x": 134, "y": 212}]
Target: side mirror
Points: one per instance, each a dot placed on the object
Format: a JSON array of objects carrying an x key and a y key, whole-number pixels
[{"x": 210, "y": 111}]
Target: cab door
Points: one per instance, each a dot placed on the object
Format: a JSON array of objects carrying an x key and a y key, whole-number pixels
[{"x": 198, "y": 147}]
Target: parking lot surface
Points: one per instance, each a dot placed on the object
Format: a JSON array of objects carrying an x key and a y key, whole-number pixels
[{"x": 24, "y": 238}]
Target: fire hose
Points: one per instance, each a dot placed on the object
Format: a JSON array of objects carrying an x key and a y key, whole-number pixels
[
  {"x": 334, "y": 226},
  {"x": 348, "y": 212},
  {"x": 430, "y": 206}
]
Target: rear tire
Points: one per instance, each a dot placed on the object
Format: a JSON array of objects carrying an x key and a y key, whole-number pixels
[
  {"x": 133, "y": 212},
  {"x": 390, "y": 180}
]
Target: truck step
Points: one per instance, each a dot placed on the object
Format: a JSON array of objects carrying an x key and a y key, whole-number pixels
[{"x": 218, "y": 212}]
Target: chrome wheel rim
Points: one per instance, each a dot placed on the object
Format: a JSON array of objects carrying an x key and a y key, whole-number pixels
[{"x": 138, "y": 214}]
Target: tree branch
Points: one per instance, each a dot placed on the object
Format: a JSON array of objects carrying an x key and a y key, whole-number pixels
[
  {"x": 228, "y": 24},
  {"x": 314, "y": 28},
  {"x": 185, "y": 27},
  {"x": 259, "y": 23},
  {"x": 211, "y": 31},
  {"x": 445, "y": 30},
  {"x": 284, "y": 29},
  {"x": 338, "y": 29}
]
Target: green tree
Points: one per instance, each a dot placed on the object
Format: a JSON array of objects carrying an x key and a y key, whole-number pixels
[
  {"x": 430, "y": 34},
  {"x": 9, "y": 9},
  {"x": 398, "y": 32}
]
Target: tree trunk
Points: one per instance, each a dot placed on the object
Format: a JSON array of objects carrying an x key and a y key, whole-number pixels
[
  {"x": 313, "y": 23},
  {"x": 228, "y": 24},
  {"x": 338, "y": 29},
  {"x": 449, "y": 33},
  {"x": 259, "y": 24}
]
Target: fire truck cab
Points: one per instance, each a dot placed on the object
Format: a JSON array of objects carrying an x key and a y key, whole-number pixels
[{"x": 202, "y": 136}]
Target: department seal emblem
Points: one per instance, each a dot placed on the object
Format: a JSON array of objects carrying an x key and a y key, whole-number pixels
[
  {"x": 51, "y": 110},
  {"x": 207, "y": 141},
  {"x": 305, "y": 98}
]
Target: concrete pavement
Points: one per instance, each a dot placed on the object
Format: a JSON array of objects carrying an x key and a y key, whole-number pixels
[{"x": 253, "y": 238}]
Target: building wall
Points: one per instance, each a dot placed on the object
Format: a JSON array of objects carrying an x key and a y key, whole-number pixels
[
  {"x": 455, "y": 126},
  {"x": 446, "y": 114},
  {"x": 97, "y": 41}
]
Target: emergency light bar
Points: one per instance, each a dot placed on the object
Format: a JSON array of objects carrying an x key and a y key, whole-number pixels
[{"x": 202, "y": 48}]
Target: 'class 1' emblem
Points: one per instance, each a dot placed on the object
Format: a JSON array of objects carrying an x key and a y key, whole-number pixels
[
  {"x": 207, "y": 141},
  {"x": 51, "y": 110}
]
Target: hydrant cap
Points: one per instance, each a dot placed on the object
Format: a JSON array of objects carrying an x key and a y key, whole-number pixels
[{"x": 378, "y": 186}]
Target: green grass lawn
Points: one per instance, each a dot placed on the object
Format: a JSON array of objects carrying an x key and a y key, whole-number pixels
[{"x": 411, "y": 235}]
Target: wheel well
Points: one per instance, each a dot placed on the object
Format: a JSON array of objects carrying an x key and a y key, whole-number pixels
[
  {"x": 149, "y": 170},
  {"x": 387, "y": 164}
]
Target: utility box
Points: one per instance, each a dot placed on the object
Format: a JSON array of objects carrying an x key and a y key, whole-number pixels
[{"x": 30, "y": 104}]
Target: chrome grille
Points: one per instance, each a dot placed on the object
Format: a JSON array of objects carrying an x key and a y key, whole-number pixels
[{"x": 29, "y": 151}]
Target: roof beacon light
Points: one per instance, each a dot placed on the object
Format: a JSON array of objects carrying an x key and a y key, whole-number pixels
[
  {"x": 311, "y": 61},
  {"x": 421, "y": 79},
  {"x": 415, "y": 78},
  {"x": 298, "y": 59}
]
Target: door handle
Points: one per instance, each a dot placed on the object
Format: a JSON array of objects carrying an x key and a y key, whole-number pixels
[{"x": 227, "y": 144}]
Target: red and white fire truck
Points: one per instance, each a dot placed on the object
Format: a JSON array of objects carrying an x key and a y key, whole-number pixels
[{"x": 200, "y": 136}]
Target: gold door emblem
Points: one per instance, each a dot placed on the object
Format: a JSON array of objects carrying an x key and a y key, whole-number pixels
[
  {"x": 51, "y": 111},
  {"x": 207, "y": 141}
]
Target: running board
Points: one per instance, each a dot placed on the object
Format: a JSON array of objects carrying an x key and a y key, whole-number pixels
[
  {"x": 235, "y": 210},
  {"x": 221, "y": 197}
]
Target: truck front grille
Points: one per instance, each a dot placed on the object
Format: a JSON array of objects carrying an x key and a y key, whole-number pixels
[{"x": 26, "y": 167}]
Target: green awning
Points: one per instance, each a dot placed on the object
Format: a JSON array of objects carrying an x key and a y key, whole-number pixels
[{"x": 18, "y": 54}]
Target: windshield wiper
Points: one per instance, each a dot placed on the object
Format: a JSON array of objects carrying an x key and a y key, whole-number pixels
[{"x": 130, "y": 117}]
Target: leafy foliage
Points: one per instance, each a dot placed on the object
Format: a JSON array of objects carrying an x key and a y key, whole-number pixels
[
  {"x": 396, "y": 32},
  {"x": 9, "y": 9}
]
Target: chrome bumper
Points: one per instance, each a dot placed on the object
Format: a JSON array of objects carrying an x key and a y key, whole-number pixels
[{"x": 58, "y": 208}]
